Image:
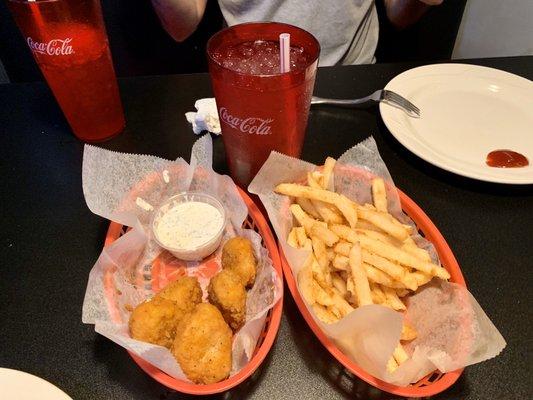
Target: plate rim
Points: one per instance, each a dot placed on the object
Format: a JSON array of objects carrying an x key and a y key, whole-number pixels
[
  {"x": 50, "y": 385},
  {"x": 386, "y": 116}
]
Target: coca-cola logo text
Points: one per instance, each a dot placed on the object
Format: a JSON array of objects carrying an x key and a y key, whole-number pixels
[
  {"x": 55, "y": 47},
  {"x": 251, "y": 125}
]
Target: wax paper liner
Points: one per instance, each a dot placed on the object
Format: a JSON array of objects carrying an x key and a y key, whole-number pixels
[
  {"x": 453, "y": 330},
  {"x": 133, "y": 268}
]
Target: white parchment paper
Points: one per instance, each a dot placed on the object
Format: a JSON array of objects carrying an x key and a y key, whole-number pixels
[
  {"x": 125, "y": 275},
  {"x": 453, "y": 330}
]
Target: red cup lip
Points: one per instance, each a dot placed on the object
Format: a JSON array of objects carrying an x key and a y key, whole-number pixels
[{"x": 223, "y": 31}]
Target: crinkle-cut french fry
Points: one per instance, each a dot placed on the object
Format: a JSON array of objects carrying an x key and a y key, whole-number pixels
[
  {"x": 308, "y": 245},
  {"x": 301, "y": 236},
  {"x": 392, "y": 365},
  {"x": 402, "y": 292},
  {"x": 325, "y": 234},
  {"x": 344, "y": 232},
  {"x": 301, "y": 216},
  {"x": 312, "y": 226},
  {"x": 376, "y": 275},
  {"x": 312, "y": 181},
  {"x": 362, "y": 224},
  {"x": 400, "y": 355},
  {"x": 318, "y": 176},
  {"x": 392, "y": 299},
  {"x": 327, "y": 212},
  {"x": 416, "y": 251},
  {"x": 348, "y": 208},
  {"x": 408, "y": 332},
  {"x": 381, "y": 236},
  {"x": 307, "y": 206},
  {"x": 321, "y": 274},
  {"x": 401, "y": 256},
  {"x": 327, "y": 172},
  {"x": 341, "y": 263},
  {"x": 345, "y": 205},
  {"x": 340, "y": 303},
  {"x": 292, "y": 239},
  {"x": 379, "y": 194},
  {"x": 324, "y": 315},
  {"x": 350, "y": 288},
  {"x": 408, "y": 228},
  {"x": 319, "y": 248},
  {"x": 321, "y": 296},
  {"x": 420, "y": 277},
  {"x": 335, "y": 311},
  {"x": 383, "y": 222},
  {"x": 339, "y": 284},
  {"x": 331, "y": 254},
  {"x": 343, "y": 248},
  {"x": 378, "y": 297},
  {"x": 305, "y": 281},
  {"x": 344, "y": 275},
  {"x": 358, "y": 274},
  {"x": 396, "y": 271}
]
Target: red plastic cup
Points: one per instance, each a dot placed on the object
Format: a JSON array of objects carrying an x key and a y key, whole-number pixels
[
  {"x": 69, "y": 43},
  {"x": 261, "y": 112}
]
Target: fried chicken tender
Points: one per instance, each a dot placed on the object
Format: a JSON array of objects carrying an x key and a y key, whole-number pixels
[
  {"x": 228, "y": 294},
  {"x": 238, "y": 255},
  {"x": 185, "y": 292},
  {"x": 202, "y": 345},
  {"x": 154, "y": 321}
]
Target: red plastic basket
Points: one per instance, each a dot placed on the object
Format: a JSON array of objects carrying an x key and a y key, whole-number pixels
[
  {"x": 431, "y": 384},
  {"x": 257, "y": 222}
]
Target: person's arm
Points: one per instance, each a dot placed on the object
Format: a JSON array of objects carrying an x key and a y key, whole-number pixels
[
  {"x": 180, "y": 17},
  {"x": 402, "y": 13}
]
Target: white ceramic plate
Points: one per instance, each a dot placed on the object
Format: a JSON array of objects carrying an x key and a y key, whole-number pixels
[
  {"x": 467, "y": 112},
  {"x": 18, "y": 385}
]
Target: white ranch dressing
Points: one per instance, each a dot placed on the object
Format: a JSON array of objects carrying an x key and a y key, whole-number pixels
[{"x": 189, "y": 225}]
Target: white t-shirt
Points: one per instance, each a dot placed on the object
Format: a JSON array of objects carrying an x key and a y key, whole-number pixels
[{"x": 346, "y": 29}]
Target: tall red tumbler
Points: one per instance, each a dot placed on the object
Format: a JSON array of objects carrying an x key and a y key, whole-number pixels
[
  {"x": 69, "y": 43},
  {"x": 260, "y": 108}
]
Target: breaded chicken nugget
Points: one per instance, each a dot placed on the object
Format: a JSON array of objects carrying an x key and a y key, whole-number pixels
[
  {"x": 238, "y": 255},
  {"x": 185, "y": 292},
  {"x": 202, "y": 345},
  {"x": 228, "y": 294},
  {"x": 154, "y": 321}
]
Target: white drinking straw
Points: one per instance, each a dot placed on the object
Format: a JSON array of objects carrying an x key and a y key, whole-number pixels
[{"x": 284, "y": 52}]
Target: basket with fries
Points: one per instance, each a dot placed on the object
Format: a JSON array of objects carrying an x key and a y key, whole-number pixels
[{"x": 369, "y": 284}]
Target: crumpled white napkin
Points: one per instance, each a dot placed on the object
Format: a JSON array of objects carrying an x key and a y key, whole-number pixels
[{"x": 206, "y": 117}]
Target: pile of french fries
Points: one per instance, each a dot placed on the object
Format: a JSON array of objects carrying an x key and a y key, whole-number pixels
[{"x": 360, "y": 254}]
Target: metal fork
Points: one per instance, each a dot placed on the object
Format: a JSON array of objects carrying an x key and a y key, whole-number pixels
[{"x": 386, "y": 96}]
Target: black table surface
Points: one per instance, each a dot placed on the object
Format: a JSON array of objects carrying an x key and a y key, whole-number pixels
[{"x": 49, "y": 241}]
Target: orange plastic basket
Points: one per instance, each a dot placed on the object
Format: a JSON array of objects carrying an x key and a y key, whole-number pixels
[
  {"x": 431, "y": 384},
  {"x": 257, "y": 222}
]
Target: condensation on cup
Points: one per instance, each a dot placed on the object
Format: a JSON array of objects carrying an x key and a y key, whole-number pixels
[{"x": 69, "y": 43}]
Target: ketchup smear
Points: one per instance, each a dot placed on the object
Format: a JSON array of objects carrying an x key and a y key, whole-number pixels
[{"x": 506, "y": 159}]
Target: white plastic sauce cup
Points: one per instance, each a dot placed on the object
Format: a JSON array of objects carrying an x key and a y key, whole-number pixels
[{"x": 190, "y": 253}]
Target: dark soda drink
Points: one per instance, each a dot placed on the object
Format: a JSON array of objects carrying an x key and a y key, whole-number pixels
[
  {"x": 260, "y": 108},
  {"x": 69, "y": 43}
]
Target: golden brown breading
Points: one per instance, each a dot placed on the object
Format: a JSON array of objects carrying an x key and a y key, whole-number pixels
[
  {"x": 154, "y": 321},
  {"x": 228, "y": 294},
  {"x": 238, "y": 255},
  {"x": 185, "y": 292},
  {"x": 202, "y": 345}
]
